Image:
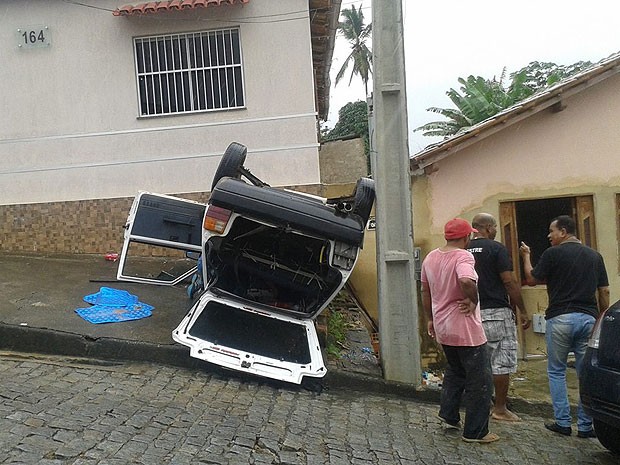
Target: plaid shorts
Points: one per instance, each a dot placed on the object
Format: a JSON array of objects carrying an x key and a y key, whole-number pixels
[{"x": 501, "y": 331}]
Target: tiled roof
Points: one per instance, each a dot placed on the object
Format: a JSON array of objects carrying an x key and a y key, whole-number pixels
[{"x": 173, "y": 5}]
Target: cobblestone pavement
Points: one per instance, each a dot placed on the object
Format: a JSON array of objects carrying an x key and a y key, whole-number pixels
[{"x": 60, "y": 411}]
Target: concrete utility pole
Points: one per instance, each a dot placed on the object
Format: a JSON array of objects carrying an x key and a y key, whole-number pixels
[{"x": 398, "y": 309}]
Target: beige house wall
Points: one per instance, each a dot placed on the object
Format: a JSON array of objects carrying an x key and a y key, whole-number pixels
[
  {"x": 549, "y": 154},
  {"x": 72, "y": 129},
  {"x": 567, "y": 153}
]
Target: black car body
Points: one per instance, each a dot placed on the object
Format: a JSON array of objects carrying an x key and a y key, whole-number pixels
[{"x": 599, "y": 383}]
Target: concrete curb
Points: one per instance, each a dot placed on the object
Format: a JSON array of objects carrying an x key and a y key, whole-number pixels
[{"x": 54, "y": 342}]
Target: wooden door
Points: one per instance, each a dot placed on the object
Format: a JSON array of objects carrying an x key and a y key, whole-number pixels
[{"x": 584, "y": 212}]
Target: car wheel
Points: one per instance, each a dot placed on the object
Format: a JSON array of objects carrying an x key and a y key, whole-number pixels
[
  {"x": 231, "y": 161},
  {"x": 364, "y": 198},
  {"x": 608, "y": 435}
]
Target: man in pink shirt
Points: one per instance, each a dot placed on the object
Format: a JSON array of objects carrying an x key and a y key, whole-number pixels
[{"x": 450, "y": 301}]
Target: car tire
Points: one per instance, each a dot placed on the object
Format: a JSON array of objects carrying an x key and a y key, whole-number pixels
[
  {"x": 608, "y": 436},
  {"x": 364, "y": 198},
  {"x": 231, "y": 161}
]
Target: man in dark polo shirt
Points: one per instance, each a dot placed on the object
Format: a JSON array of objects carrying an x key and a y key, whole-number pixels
[
  {"x": 575, "y": 276},
  {"x": 500, "y": 299}
]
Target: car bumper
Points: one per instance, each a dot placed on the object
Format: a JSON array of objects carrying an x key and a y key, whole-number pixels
[
  {"x": 600, "y": 390},
  {"x": 288, "y": 209}
]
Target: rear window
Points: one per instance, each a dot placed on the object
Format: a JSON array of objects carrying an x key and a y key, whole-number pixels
[{"x": 273, "y": 266}]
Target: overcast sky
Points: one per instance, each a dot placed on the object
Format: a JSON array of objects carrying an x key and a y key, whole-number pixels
[{"x": 448, "y": 39}]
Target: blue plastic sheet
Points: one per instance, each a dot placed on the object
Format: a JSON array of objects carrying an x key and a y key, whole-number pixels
[
  {"x": 113, "y": 306},
  {"x": 109, "y": 296}
]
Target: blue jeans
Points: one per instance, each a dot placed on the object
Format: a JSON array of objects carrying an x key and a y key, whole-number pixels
[{"x": 566, "y": 333}]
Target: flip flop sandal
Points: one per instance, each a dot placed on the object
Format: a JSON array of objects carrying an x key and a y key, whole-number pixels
[{"x": 449, "y": 424}]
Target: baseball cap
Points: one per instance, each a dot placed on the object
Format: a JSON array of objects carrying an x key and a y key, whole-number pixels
[{"x": 457, "y": 228}]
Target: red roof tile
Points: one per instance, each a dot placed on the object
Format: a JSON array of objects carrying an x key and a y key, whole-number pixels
[{"x": 173, "y": 5}]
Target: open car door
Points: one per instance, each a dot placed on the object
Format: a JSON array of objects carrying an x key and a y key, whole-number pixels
[{"x": 160, "y": 235}]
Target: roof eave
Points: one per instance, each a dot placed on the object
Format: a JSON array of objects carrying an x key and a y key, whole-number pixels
[{"x": 324, "y": 17}]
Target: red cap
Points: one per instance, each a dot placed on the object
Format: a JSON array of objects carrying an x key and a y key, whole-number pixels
[{"x": 457, "y": 228}]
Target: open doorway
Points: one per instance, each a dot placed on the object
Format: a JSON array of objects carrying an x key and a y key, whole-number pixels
[{"x": 528, "y": 221}]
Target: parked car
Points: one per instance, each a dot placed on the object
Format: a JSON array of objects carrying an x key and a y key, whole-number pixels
[
  {"x": 271, "y": 260},
  {"x": 599, "y": 383}
]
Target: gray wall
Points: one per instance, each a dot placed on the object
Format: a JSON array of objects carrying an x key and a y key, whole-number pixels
[
  {"x": 342, "y": 161},
  {"x": 71, "y": 130}
]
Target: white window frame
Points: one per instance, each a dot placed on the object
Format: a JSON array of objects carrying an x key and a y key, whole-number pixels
[{"x": 189, "y": 72}]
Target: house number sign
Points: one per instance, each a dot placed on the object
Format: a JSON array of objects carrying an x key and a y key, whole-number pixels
[{"x": 33, "y": 37}]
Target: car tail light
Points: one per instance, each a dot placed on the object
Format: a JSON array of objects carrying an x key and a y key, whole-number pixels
[
  {"x": 596, "y": 332},
  {"x": 216, "y": 219}
]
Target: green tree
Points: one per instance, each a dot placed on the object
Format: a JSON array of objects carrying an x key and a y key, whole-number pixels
[
  {"x": 479, "y": 98},
  {"x": 356, "y": 33},
  {"x": 539, "y": 75},
  {"x": 352, "y": 121}
]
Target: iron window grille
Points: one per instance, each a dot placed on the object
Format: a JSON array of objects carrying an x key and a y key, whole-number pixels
[{"x": 190, "y": 72}]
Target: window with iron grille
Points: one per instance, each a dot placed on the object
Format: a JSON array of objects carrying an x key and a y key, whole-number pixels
[{"x": 190, "y": 72}]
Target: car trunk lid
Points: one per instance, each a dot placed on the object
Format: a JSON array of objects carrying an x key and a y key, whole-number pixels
[{"x": 223, "y": 330}]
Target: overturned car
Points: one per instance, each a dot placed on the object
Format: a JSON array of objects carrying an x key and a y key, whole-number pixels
[{"x": 270, "y": 261}]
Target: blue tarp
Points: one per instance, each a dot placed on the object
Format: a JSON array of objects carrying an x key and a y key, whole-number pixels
[{"x": 112, "y": 306}]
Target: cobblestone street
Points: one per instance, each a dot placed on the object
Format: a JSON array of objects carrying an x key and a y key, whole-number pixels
[{"x": 61, "y": 411}]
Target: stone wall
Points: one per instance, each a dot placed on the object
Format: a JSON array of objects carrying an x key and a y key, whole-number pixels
[
  {"x": 82, "y": 227},
  {"x": 342, "y": 161}
]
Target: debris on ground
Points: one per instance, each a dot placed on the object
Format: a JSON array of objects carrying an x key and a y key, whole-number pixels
[
  {"x": 432, "y": 380},
  {"x": 356, "y": 352}
]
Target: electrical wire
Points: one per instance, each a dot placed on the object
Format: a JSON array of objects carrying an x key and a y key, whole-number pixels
[{"x": 246, "y": 20}]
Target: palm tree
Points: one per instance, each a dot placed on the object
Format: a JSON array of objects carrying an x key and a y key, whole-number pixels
[
  {"x": 477, "y": 100},
  {"x": 357, "y": 33}
]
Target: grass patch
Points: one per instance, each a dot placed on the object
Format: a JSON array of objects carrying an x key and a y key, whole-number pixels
[{"x": 336, "y": 332}]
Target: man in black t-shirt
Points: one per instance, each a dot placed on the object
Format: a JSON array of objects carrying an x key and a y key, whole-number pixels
[
  {"x": 500, "y": 297},
  {"x": 575, "y": 276}
]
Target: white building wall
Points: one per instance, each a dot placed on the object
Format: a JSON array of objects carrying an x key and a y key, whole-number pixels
[{"x": 70, "y": 122}]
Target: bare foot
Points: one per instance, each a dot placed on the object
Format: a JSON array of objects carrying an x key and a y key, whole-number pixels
[
  {"x": 490, "y": 437},
  {"x": 506, "y": 415}
]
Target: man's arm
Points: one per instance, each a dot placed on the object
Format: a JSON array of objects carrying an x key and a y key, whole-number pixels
[
  {"x": 514, "y": 292},
  {"x": 470, "y": 291},
  {"x": 603, "y": 298},
  {"x": 427, "y": 306},
  {"x": 527, "y": 265}
]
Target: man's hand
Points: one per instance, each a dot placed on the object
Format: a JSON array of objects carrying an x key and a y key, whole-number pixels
[
  {"x": 524, "y": 249},
  {"x": 431, "y": 329},
  {"x": 525, "y": 320},
  {"x": 466, "y": 306}
]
